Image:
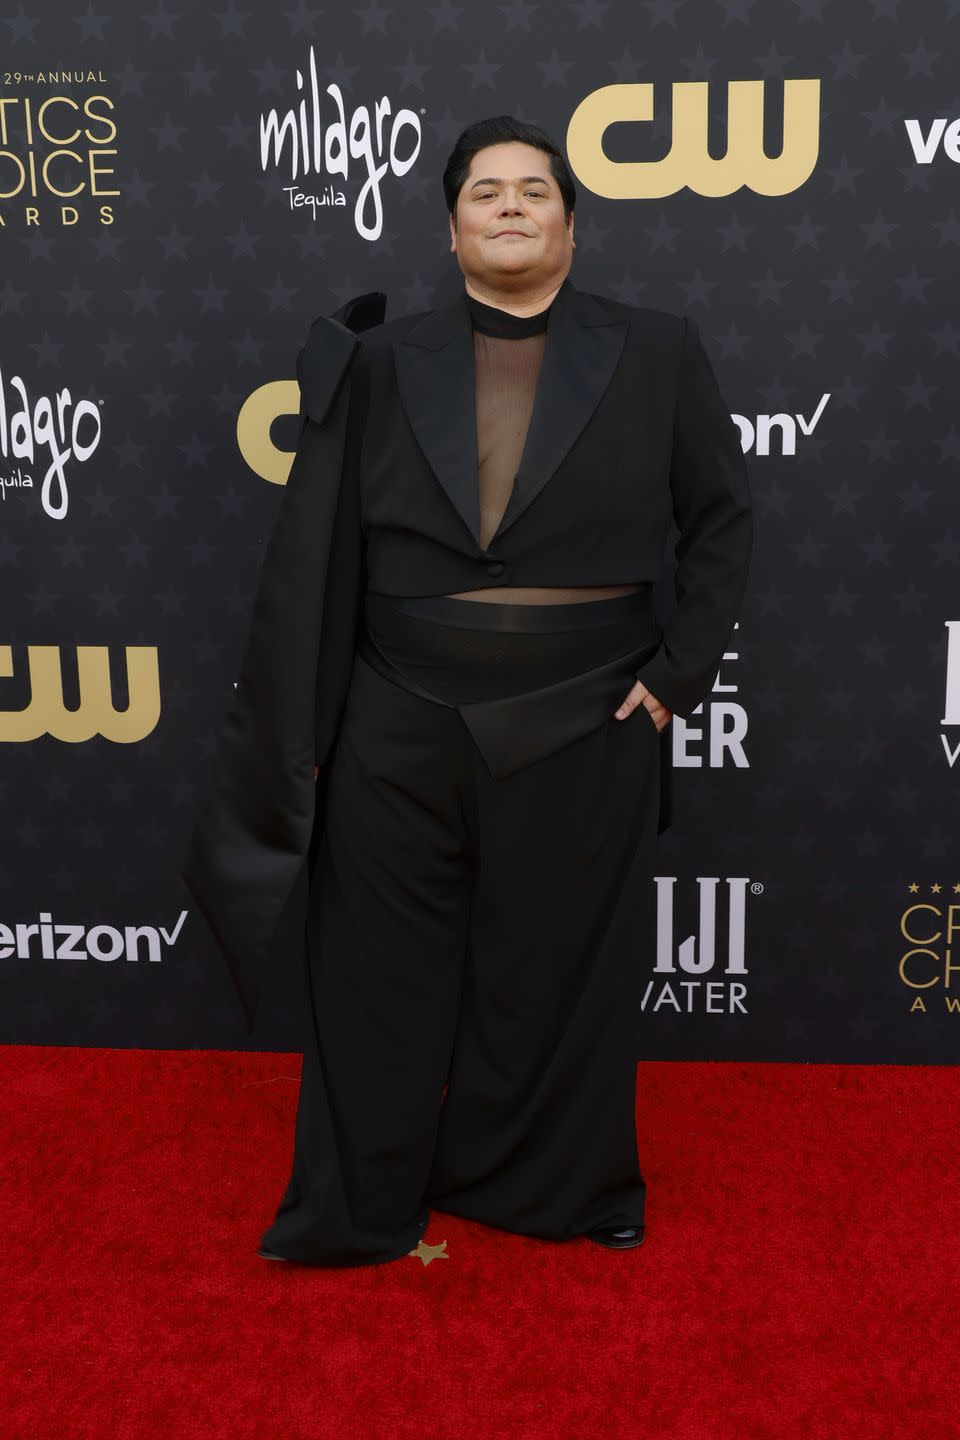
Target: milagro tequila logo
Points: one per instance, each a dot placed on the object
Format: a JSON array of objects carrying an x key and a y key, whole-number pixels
[
  {"x": 311, "y": 149},
  {"x": 45, "y": 433},
  {"x": 712, "y": 991}
]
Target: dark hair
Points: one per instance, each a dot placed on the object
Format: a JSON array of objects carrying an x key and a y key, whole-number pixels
[{"x": 498, "y": 130}]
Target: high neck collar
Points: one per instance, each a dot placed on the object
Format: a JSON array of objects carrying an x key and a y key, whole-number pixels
[{"x": 491, "y": 320}]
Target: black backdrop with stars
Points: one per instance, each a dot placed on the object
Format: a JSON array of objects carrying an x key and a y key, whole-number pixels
[{"x": 160, "y": 267}]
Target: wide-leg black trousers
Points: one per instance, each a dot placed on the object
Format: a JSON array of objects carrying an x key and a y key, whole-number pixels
[{"x": 477, "y": 938}]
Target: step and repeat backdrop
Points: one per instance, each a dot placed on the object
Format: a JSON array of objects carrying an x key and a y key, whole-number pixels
[{"x": 182, "y": 192}]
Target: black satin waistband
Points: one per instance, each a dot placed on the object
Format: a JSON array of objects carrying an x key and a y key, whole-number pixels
[
  {"x": 517, "y": 618},
  {"x": 470, "y": 658},
  {"x": 526, "y": 679}
]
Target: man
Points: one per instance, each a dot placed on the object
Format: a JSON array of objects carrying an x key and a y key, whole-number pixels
[{"x": 489, "y": 771}]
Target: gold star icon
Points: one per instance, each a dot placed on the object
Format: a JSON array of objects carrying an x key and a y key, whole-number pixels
[
  {"x": 913, "y": 889},
  {"x": 935, "y": 889},
  {"x": 956, "y": 889},
  {"x": 430, "y": 1252}
]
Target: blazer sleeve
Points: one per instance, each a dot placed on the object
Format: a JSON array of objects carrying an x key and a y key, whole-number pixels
[
  {"x": 254, "y": 827},
  {"x": 712, "y": 509}
]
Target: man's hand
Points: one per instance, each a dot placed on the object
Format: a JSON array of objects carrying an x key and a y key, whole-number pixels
[{"x": 640, "y": 695}]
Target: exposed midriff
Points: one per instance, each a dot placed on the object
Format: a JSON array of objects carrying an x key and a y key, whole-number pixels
[{"x": 543, "y": 594}]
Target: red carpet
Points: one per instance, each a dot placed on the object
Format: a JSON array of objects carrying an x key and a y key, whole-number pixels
[{"x": 798, "y": 1277}]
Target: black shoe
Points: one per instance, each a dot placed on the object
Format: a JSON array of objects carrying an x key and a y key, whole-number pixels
[
  {"x": 618, "y": 1239},
  {"x": 269, "y": 1255}
]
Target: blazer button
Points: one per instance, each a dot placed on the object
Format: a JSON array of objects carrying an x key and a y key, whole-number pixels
[{"x": 495, "y": 567}]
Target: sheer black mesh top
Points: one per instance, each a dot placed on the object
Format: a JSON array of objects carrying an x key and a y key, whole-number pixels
[{"x": 508, "y": 351}]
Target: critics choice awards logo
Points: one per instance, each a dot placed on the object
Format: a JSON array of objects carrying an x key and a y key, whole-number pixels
[{"x": 930, "y": 924}]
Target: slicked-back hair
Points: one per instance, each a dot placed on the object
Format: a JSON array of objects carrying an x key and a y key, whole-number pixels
[{"x": 500, "y": 130}]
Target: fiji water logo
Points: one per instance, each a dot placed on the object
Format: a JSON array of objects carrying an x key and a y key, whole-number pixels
[
  {"x": 695, "y": 981},
  {"x": 305, "y": 145},
  {"x": 716, "y": 731},
  {"x": 951, "y": 704}
]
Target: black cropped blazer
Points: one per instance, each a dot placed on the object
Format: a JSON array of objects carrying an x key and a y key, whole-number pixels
[{"x": 629, "y": 428}]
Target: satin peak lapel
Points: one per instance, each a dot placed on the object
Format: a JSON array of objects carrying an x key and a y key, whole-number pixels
[{"x": 436, "y": 380}]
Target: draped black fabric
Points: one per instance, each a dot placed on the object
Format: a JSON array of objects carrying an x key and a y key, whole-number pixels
[{"x": 261, "y": 807}]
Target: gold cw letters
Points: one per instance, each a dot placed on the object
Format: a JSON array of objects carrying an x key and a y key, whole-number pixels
[
  {"x": 46, "y": 713},
  {"x": 688, "y": 161}
]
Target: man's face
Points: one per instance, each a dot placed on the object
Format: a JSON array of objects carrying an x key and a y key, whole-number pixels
[{"x": 510, "y": 189}]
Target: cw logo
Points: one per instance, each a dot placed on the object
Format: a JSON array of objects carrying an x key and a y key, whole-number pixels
[
  {"x": 689, "y": 162},
  {"x": 254, "y": 423},
  {"x": 46, "y": 713}
]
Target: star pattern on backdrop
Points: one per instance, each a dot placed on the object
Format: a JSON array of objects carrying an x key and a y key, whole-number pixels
[{"x": 202, "y": 289}]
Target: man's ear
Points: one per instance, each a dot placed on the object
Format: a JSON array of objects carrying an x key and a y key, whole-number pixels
[{"x": 453, "y": 236}]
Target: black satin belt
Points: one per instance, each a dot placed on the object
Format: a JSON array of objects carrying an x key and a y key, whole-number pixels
[{"x": 525, "y": 683}]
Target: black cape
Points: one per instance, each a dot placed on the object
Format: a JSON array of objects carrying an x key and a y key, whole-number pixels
[{"x": 262, "y": 810}]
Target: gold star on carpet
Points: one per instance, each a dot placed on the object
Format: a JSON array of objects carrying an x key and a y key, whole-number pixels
[{"x": 430, "y": 1252}]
